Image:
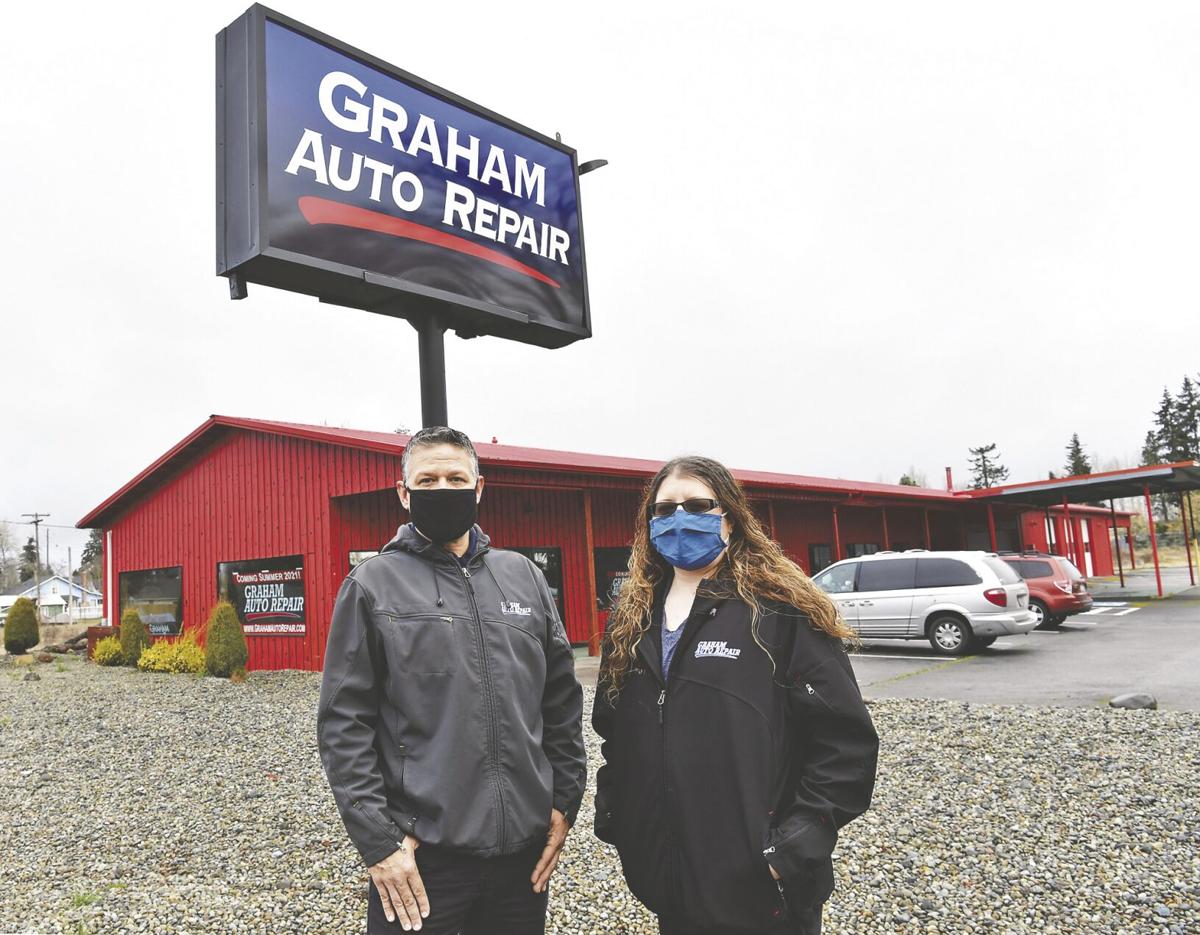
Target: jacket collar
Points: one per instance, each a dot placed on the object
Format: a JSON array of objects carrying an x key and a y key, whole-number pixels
[
  {"x": 408, "y": 539},
  {"x": 710, "y": 595}
]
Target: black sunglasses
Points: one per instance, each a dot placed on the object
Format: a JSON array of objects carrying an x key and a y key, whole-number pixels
[{"x": 691, "y": 505}]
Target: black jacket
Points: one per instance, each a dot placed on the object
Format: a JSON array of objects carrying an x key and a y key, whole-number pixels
[
  {"x": 449, "y": 704},
  {"x": 741, "y": 759}
]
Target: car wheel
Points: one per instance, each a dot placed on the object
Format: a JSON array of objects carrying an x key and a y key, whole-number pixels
[
  {"x": 950, "y": 636},
  {"x": 1045, "y": 619},
  {"x": 983, "y": 642}
]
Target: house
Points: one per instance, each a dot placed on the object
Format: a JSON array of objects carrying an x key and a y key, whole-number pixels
[{"x": 60, "y": 598}]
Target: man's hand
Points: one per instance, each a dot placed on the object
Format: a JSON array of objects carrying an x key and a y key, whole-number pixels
[
  {"x": 549, "y": 860},
  {"x": 400, "y": 888}
]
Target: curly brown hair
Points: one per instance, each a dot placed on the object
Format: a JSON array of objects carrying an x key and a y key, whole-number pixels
[{"x": 753, "y": 564}]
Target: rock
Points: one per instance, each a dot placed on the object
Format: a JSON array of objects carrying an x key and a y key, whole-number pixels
[
  {"x": 31, "y": 677},
  {"x": 44, "y": 657},
  {"x": 1135, "y": 700}
]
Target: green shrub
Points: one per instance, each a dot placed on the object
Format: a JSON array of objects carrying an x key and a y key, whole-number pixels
[
  {"x": 225, "y": 649},
  {"x": 134, "y": 636},
  {"x": 21, "y": 627},
  {"x": 183, "y": 654},
  {"x": 107, "y": 652}
]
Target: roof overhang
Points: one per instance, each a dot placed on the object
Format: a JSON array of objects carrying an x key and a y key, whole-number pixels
[{"x": 1176, "y": 478}]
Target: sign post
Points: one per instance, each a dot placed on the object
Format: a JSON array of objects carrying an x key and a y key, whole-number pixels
[{"x": 346, "y": 178}]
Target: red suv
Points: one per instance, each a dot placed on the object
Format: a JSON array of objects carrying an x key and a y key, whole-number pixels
[{"x": 1056, "y": 588}]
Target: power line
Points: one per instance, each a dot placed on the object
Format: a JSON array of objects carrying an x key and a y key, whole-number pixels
[{"x": 21, "y": 522}]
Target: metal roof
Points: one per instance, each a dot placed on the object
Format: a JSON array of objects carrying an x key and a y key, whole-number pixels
[
  {"x": 516, "y": 456},
  {"x": 1177, "y": 477},
  {"x": 507, "y": 456}
]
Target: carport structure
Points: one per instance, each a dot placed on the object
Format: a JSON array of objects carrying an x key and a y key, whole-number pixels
[{"x": 1175, "y": 479}]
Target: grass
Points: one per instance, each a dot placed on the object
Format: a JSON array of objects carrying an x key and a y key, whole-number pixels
[{"x": 84, "y": 898}]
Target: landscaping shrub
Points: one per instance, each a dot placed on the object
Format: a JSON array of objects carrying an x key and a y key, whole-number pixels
[
  {"x": 107, "y": 652},
  {"x": 134, "y": 636},
  {"x": 183, "y": 654},
  {"x": 21, "y": 628},
  {"x": 225, "y": 649}
]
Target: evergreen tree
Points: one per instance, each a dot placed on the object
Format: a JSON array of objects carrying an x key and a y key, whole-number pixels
[
  {"x": 1167, "y": 430},
  {"x": 29, "y": 560},
  {"x": 91, "y": 562},
  {"x": 1152, "y": 454},
  {"x": 986, "y": 469},
  {"x": 1077, "y": 461},
  {"x": 1187, "y": 420}
]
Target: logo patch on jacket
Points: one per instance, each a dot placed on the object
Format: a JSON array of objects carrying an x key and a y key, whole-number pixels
[
  {"x": 512, "y": 607},
  {"x": 718, "y": 648}
]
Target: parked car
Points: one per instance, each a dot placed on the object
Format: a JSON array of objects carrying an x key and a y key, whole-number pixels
[
  {"x": 959, "y": 601},
  {"x": 1057, "y": 589}
]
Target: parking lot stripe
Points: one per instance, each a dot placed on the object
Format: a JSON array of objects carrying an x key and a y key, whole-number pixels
[
  {"x": 1099, "y": 610},
  {"x": 1081, "y": 623},
  {"x": 1130, "y": 610},
  {"x": 1044, "y": 633},
  {"x": 854, "y": 656}
]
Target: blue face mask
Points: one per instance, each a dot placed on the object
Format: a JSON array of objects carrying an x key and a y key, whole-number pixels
[{"x": 687, "y": 540}]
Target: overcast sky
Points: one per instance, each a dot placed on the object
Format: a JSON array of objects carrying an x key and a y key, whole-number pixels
[{"x": 833, "y": 239}]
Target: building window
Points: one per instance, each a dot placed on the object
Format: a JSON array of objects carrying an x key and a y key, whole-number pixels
[
  {"x": 820, "y": 556},
  {"x": 549, "y": 560},
  {"x": 157, "y": 595},
  {"x": 855, "y": 549},
  {"x": 612, "y": 571},
  {"x": 267, "y": 593}
]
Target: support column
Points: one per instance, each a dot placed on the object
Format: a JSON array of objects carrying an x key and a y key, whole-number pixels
[
  {"x": 590, "y": 576},
  {"x": 1129, "y": 538},
  {"x": 1117, "y": 541},
  {"x": 887, "y": 540},
  {"x": 771, "y": 519},
  {"x": 1192, "y": 522},
  {"x": 1049, "y": 531},
  {"x": 1069, "y": 529},
  {"x": 1153, "y": 538},
  {"x": 1187, "y": 544},
  {"x": 837, "y": 537},
  {"x": 991, "y": 518},
  {"x": 928, "y": 537},
  {"x": 431, "y": 351}
]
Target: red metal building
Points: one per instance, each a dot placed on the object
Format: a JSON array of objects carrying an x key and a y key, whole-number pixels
[{"x": 301, "y": 502}]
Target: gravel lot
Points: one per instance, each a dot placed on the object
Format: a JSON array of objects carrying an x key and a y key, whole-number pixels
[{"x": 135, "y": 802}]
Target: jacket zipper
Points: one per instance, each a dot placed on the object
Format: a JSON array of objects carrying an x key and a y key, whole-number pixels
[
  {"x": 493, "y": 732},
  {"x": 390, "y": 832}
]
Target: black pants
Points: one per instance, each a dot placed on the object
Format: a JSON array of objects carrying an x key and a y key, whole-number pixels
[
  {"x": 804, "y": 923},
  {"x": 472, "y": 895}
]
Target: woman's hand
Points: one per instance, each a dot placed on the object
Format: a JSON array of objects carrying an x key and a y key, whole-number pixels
[{"x": 399, "y": 884}]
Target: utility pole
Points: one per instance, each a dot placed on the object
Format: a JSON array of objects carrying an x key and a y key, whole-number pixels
[
  {"x": 70, "y": 586},
  {"x": 35, "y": 521}
]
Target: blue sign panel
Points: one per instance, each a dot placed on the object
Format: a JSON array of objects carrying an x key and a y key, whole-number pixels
[{"x": 370, "y": 188}]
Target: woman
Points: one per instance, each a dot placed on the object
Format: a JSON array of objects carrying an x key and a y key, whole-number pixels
[{"x": 736, "y": 742}]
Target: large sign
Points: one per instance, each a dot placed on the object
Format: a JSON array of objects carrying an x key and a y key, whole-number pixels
[
  {"x": 267, "y": 593},
  {"x": 344, "y": 177}
]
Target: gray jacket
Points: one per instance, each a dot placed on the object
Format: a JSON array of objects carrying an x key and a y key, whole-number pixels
[{"x": 449, "y": 705}]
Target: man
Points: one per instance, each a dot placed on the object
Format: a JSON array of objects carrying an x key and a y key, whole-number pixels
[{"x": 449, "y": 721}]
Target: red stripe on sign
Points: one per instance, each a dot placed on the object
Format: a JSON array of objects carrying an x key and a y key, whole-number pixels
[{"x": 323, "y": 211}]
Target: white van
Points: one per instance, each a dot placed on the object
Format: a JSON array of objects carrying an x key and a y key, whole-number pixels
[{"x": 959, "y": 601}]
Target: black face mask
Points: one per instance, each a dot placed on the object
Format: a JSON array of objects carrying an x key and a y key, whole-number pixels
[{"x": 443, "y": 513}]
